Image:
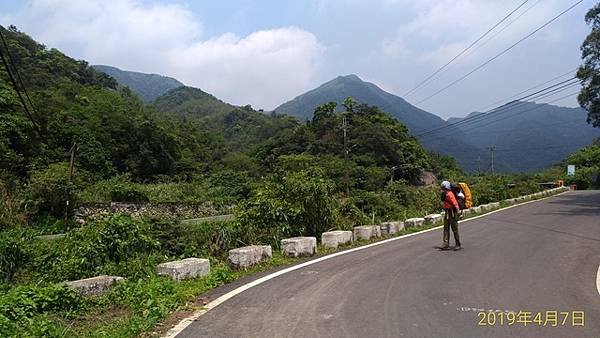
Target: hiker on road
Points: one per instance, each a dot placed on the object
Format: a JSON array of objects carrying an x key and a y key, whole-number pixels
[{"x": 451, "y": 215}]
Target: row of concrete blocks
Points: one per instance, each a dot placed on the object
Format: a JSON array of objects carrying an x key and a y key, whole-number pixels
[
  {"x": 242, "y": 258},
  {"x": 177, "y": 270}
]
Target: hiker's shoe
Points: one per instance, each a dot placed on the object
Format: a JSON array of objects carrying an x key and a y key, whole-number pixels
[
  {"x": 458, "y": 247},
  {"x": 446, "y": 247}
]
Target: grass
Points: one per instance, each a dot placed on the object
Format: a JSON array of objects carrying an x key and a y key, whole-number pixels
[{"x": 147, "y": 306}]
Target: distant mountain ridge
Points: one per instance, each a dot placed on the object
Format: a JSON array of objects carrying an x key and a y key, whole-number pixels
[
  {"x": 530, "y": 136},
  {"x": 190, "y": 101},
  {"x": 147, "y": 86},
  {"x": 415, "y": 119},
  {"x": 520, "y": 140}
]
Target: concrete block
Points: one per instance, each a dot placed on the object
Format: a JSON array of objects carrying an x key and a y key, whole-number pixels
[
  {"x": 185, "y": 268},
  {"x": 476, "y": 209},
  {"x": 245, "y": 257},
  {"x": 433, "y": 218},
  {"x": 485, "y": 207},
  {"x": 414, "y": 222},
  {"x": 332, "y": 239},
  {"x": 95, "y": 286},
  {"x": 50, "y": 237},
  {"x": 376, "y": 231},
  {"x": 399, "y": 225},
  {"x": 466, "y": 212},
  {"x": 299, "y": 246},
  {"x": 389, "y": 228},
  {"x": 510, "y": 201},
  {"x": 494, "y": 205},
  {"x": 364, "y": 232}
]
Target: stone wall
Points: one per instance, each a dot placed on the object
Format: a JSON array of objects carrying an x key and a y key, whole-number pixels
[{"x": 174, "y": 211}]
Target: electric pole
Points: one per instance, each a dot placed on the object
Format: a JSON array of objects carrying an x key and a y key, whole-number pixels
[
  {"x": 68, "y": 187},
  {"x": 492, "y": 150},
  {"x": 346, "y": 153}
]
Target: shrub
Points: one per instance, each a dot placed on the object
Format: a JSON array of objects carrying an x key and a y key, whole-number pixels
[
  {"x": 26, "y": 301},
  {"x": 24, "y": 310},
  {"x": 101, "y": 246},
  {"x": 299, "y": 203},
  {"x": 12, "y": 256},
  {"x": 11, "y": 209}
]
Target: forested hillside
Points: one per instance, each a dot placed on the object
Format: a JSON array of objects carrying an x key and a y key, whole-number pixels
[
  {"x": 350, "y": 164},
  {"x": 530, "y": 136},
  {"x": 185, "y": 136},
  {"x": 147, "y": 86},
  {"x": 417, "y": 120}
]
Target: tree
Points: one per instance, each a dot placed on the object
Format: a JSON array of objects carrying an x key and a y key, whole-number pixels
[{"x": 589, "y": 71}]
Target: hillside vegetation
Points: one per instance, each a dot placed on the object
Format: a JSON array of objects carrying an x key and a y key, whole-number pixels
[
  {"x": 284, "y": 177},
  {"x": 147, "y": 86}
]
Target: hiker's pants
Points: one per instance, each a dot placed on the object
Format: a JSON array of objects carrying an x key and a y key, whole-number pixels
[{"x": 451, "y": 221}]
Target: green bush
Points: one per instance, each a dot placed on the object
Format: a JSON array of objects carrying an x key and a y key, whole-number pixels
[
  {"x": 100, "y": 247},
  {"x": 216, "y": 238},
  {"x": 11, "y": 208},
  {"x": 24, "y": 310},
  {"x": 299, "y": 203},
  {"x": 12, "y": 256}
]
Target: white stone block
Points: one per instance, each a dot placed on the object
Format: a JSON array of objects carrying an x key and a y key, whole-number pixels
[
  {"x": 399, "y": 225},
  {"x": 494, "y": 205},
  {"x": 245, "y": 257},
  {"x": 299, "y": 246},
  {"x": 389, "y": 228},
  {"x": 476, "y": 209},
  {"x": 414, "y": 222},
  {"x": 185, "y": 268},
  {"x": 332, "y": 239},
  {"x": 95, "y": 286},
  {"x": 433, "y": 218},
  {"x": 376, "y": 231},
  {"x": 363, "y": 232}
]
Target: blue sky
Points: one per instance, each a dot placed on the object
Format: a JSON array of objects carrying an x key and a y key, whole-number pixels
[{"x": 267, "y": 52}]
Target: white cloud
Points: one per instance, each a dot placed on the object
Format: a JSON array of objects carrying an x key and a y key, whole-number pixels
[
  {"x": 263, "y": 68},
  {"x": 442, "y": 28}
]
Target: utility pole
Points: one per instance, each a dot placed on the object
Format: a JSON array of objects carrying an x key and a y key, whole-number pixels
[
  {"x": 346, "y": 153},
  {"x": 478, "y": 165},
  {"x": 492, "y": 150},
  {"x": 68, "y": 187}
]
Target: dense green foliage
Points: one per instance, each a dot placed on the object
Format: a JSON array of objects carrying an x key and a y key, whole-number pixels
[
  {"x": 147, "y": 86},
  {"x": 589, "y": 71},
  {"x": 587, "y": 167},
  {"x": 452, "y": 141},
  {"x": 287, "y": 178}
]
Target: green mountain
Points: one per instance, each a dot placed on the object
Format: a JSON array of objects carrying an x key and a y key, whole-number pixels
[
  {"x": 530, "y": 136},
  {"x": 190, "y": 101},
  {"x": 71, "y": 103},
  {"x": 147, "y": 86},
  {"x": 417, "y": 120}
]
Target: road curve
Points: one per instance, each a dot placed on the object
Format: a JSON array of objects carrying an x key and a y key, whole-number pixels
[{"x": 538, "y": 257}]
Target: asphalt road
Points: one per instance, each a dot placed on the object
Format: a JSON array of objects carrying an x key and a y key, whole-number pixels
[{"x": 538, "y": 257}]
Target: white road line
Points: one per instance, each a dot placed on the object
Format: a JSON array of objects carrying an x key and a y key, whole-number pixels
[
  {"x": 173, "y": 332},
  {"x": 598, "y": 280}
]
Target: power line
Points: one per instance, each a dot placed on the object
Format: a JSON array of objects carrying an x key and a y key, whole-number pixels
[
  {"x": 502, "y": 29},
  {"x": 526, "y": 90},
  {"x": 465, "y": 50},
  {"x": 12, "y": 62},
  {"x": 521, "y": 104},
  {"x": 528, "y": 110},
  {"x": 500, "y": 54},
  {"x": 495, "y": 110},
  {"x": 512, "y": 115},
  {"x": 16, "y": 88}
]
